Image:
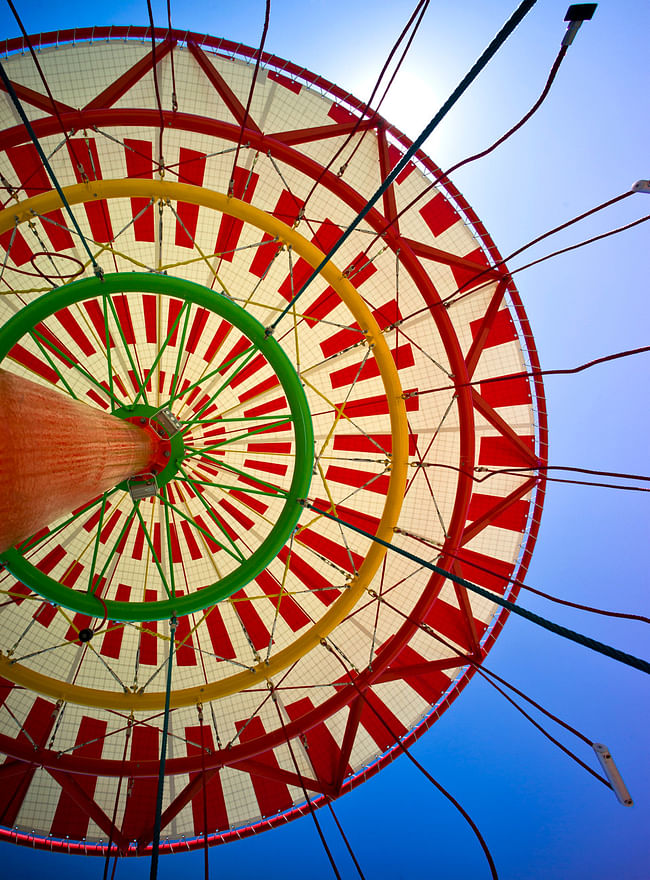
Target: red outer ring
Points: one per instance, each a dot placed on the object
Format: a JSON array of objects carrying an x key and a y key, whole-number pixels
[{"x": 181, "y": 121}]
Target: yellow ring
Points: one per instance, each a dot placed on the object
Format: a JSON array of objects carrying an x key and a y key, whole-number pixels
[{"x": 162, "y": 190}]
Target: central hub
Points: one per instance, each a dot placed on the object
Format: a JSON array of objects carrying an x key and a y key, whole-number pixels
[
  {"x": 169, "y": 450},
  {"x": 236, "y": 512}
]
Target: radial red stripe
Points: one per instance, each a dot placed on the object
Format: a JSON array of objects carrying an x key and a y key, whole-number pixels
[{"x": 139, "y": 163}]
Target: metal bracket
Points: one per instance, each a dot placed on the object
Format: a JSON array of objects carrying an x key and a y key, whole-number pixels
[
  {"x": 167, "y": 419},
  {"x": 143, "y": 486}
]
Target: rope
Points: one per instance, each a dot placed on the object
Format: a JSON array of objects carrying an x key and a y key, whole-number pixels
[
  {"x": 585, "y": 641},
  {"x": 117, "y": 799},
  {"x": 391, "y": 80},
  {"x": 573, "y": 247},
  {"x": 302, "y": 785},
  {"x": 155, "y": 845},
  {"x": 442, "y": 175},
  {"x": 169, "y": 25},
  {"x": 161, "y": 164},
  {"x": 346, "y": 841},
  {"x": 452, "y": 298},
  {"x": 205, "y": 798},
  {"x": 469, "y": 77},
  {"x": 523, "y": 586},
  {"x": 267, "y": 14},
  {"x": 518, "y": 471},
  {"x": 19, "y": 108},
  {"x": 542, "y": 730},
  {"x": 534, "y": 241},
  {"x": 576, "y": 470},
  {"x": 534, "y": 373},
  {"x": 420, "y": 8},
  {"x": 414, "y": 761},
  {"x": 46, "y": 85},
  {"x": 486, "y": 672}
]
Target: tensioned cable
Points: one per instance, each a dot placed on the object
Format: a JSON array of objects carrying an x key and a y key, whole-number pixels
[
  {"x": 389, "y": 85},
  {"x": 516, "y": 471},
  {"x": 302, "y": 785},
  {"x": 169, "y": 25},
  {"x": 154, "y": 65},
  {"x": 534, "y": 373},
  {"x": 206, "y": 864},
  {"x": 484, "y": 673},
  {"x": 413, "y": 760},
  {"x": 267, "y": 14},
  {"x": 452, "y": 298},
  {"x": 586, "y": 641},
  {"x": 534, "y": 241},
  {"x": 155, "y": 844},
  {"x": 573, "y": 247},
  {"x": 523, "y": 586},
  {"x": 523, "y": 9},
  {"x": 521, "y": 472},
  {"x": 55, "y": 109},
  {"x": 442, "y": 175},
  {"x": 117, "y": 800},
  {"x": 367, "y": 112},
  {"x": 346, "y": 841},
  {"x": 19, "y": 108}
]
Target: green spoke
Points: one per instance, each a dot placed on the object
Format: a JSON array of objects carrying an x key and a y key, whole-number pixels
[
  {"x": 212, "y": 514},
  {"x": 208, "y": 376},
  {"x": 108, "y": 348},
  {"x": 199, "y": 528},
  {"x": 136, "y": 507},
  {"x": 78, "y": 367},
  {"x": 237, "y": 437},
  {"x": 230, "y": 467},
  {"x": 53, "y": 365},
  {"x": 116, "y": 544},
  {"x": 89, "y": 506},
  {"x": 285, "y": 417},
  {"x": 136, "y": 371},
  {"x": 160, "y": 353},
  {"x": 248, "y": 490},
  {"x": 223, "y": 385},
  {"x": 163, "y": 497},
  {"x": 181, "y": 348},
  {"x": 96, "y": 547}
]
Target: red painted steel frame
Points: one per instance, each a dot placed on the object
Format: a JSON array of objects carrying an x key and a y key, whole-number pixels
[
  {"x": 56, "y": 454},
  {"x": 280, "y": 150}
]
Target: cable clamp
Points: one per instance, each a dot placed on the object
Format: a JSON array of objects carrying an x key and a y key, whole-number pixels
[
  {"x": 575, "y": 15},
  {"x": 142, "y": 486}
]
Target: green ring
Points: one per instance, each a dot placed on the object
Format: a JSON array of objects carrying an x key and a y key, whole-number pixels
[{"x": 142, "y": 282}]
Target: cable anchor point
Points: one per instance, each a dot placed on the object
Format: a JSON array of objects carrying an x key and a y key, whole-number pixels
[{"x": 575, "y": 15}]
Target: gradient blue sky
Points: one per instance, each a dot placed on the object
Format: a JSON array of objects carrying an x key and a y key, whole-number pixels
[{"x": 542, "y": 816}]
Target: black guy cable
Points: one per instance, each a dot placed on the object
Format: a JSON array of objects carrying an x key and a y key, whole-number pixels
[{"x": 585, "y": 641}]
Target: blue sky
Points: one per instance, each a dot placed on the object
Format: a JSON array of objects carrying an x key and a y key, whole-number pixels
[{"x": 541, "y": 815}]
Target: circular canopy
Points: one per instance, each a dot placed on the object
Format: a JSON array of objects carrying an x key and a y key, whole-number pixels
[{"x": 319, "y": 657}]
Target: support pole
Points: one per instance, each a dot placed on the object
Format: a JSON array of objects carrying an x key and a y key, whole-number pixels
[{"x": 56, "y": 454}]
